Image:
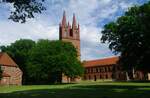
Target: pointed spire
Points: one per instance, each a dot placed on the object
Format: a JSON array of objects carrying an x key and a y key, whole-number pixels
[
  {"x": 68, "y": 24},
  {"x": 74, "y": 21},
  {"x": 64, "y": 18}
]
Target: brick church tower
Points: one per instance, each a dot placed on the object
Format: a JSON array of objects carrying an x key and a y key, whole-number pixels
[{"x": 70, "y": 33}]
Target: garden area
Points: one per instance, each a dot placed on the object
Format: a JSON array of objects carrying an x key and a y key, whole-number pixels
[{"x": 86, "y": 89}]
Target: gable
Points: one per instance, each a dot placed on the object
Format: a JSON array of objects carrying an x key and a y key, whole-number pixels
[{"x": 6, "y": 60}]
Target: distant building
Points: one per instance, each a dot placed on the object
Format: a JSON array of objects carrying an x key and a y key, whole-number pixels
[
  {"x": 107, "y": 69},
  {"x": 100, "y": 69},
  {"x": 11, "y": 74}
]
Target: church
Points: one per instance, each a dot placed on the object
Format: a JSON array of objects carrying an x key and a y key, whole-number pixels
[{"x": 100, "y": 69}]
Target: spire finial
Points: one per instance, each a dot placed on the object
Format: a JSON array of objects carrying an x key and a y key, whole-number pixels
[
  {"x": 64, "y": 18},
  {"x": 74, "y": 20}
]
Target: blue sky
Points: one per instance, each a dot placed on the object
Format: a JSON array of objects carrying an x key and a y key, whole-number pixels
[{"x": 90, "y": 14}]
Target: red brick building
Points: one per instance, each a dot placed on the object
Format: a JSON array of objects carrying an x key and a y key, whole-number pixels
[
  {"x": 100, "y": 69},
  {"x": 107, "y": 69},
  {"x": 11, "y": 74}
]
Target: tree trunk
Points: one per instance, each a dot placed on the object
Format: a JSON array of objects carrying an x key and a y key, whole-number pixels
[
  {"x": 127, "y": 76},
  {"x": 133, "y": 73},
  {"x": 145, "y": 75}
]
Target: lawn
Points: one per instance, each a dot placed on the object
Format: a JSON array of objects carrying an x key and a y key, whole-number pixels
[{"x": 80, "y": 90}]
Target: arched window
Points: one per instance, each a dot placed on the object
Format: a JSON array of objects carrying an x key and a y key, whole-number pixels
[{"x": 71, "y": 34}]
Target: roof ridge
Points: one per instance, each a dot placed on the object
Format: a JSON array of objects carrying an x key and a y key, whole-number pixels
[{"x": 105, "y": 58}]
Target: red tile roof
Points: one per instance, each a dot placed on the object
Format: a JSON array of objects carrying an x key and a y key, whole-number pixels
[
  {"x": 6, "y": 60},
  {"x": 101, "y": 62},
  {"x": 5, "y": 74}
]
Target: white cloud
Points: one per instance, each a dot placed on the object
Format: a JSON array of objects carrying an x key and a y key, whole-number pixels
[
  {"x": 45, "y": 26},
  {"x": 14, "y": 31}
]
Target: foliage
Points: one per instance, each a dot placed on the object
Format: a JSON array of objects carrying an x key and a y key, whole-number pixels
[
  {"x": 24, "y": 9},
  {"x": 19, "y": 51},
  {"x": 44, "y": 61},
  {"x": 51, "y": 59},
  {"x": 129, "y": 37}
]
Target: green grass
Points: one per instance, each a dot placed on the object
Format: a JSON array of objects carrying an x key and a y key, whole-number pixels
[{"x": 80, "y": 90}]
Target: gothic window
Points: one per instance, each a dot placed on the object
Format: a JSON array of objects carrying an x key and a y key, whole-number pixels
[{"x": 71, "y": 34}]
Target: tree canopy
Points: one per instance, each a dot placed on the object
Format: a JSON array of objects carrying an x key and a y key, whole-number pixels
[
  {"x": 19, "y": 51},
  {"x": 129, "y": 36},
  {"x": 24, "y": 9},
  {"x": 44, "y": 61},
  {"x": 52, "y": 59}
]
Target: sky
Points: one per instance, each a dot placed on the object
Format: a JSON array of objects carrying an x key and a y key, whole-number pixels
[{"x": 92, "y": 15}]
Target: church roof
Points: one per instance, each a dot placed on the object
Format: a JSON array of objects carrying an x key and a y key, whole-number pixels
[
  {"x": 6, "y": 60},
  {"x": 101, "y": 62}
]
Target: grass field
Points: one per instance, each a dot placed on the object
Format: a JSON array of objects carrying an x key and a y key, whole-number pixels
[{"x": 80, "y": 90}]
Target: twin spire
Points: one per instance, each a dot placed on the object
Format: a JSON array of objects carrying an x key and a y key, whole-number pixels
[{"x": 64, "y": 21}]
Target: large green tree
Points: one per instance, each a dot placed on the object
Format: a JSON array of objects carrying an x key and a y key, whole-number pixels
[
  {"x": 24, "y": 9},
  {"x": 19, "y": 51},
  {"x": 49, "y": 60},
  {"x": 129, "y": 36}
]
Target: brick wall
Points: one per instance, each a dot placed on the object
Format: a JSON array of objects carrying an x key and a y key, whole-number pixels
[{"x": 15, "y": 76}]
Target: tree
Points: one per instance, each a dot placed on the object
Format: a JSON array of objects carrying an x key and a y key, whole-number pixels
[
  {"x": 0, "y": 72},
  {"x": 50, "y": 59},
  {"x": 19, "y": 51},
  {"x": 24, "y": 9},
  {"x": 129, "y": 37}
]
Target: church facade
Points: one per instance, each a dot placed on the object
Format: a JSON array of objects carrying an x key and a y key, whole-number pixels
[{"x": 104, "y": 69}]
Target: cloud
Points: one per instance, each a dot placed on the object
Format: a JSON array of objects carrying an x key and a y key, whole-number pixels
[
  {"x": 91, "y": 14},
  {"x": 14, "y": 31}
]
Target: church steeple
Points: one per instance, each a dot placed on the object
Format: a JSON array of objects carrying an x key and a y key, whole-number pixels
[
  {"x": 64, "y": 19},
  {"x": 70, "y": 33},
  {"x": 74, "y": 21}
]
